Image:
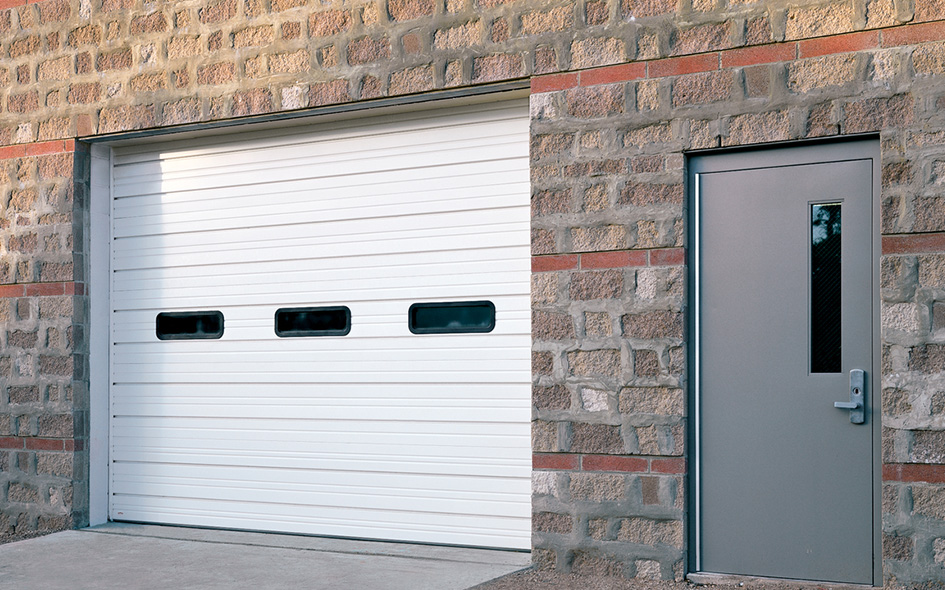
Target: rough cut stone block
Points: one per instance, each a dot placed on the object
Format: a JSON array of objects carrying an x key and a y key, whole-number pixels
[
  {"x": 605, "y": 284},
  {"x": 555, "y": 397},
  {"x": 597, "y": 486},
  {"x": 596, "y": 438},
  {"x": 595, "y": 101},
  {"x": 552, "y": 326},
  {"x": 646, "y": 531},
  {"x": 817, "y": 21},
  {"x": 652, "y": 400},
  {"x": 928, "y": 501},
  {"x": 591, "y": 363}
]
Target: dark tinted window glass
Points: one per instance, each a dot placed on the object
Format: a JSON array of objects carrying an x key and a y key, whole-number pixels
[
  {"x": 452, "y": 318},
  {"x": 189, "y": 325},
  {"x": 313, "y": 321},
  {"x": 825, "y": 288}
]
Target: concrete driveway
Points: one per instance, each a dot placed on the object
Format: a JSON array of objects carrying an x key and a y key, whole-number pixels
[{"x": 140, "y": 557}]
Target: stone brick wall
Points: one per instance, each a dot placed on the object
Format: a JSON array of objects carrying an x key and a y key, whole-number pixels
[
  {"x": 608, "y": 168},
  {"x": 80, "y": 67},
  {"x": 620, "y": 90},
  {"x": 43, "y": 380}
]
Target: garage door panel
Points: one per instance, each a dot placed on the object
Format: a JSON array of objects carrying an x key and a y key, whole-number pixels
[
  {"x": 154, "y": 281},
  {"x": 325, "y": 142},
  {"x": 291, "y": 358},
  {"x": 381, "y": 428},
  {"x": 446, "y": 183},
  {"x": 351, "y": 136},
  {"x": 337, "y": 226},
  {"x": 323, "y": 162},
  {"x": 487, "y": 532},
  {"x": 380, "y": 433},
  {"x": 393, "y": 263},
  {"x": 461, "y": 239},
  {"x": 307, "y": 436},
  {"x": 480, "y": 210},
  {"x": 315, "y": 168},
  {"x": 425, "y": 344}
]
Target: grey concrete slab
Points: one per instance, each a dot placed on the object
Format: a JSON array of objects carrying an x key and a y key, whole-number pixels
[{"x": 145, "y": 557}]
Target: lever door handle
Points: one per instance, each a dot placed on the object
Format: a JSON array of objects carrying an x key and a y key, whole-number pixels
[{"x": 857, "y": 403}]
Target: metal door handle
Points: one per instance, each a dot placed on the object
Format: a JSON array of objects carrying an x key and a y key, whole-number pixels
[{"x": 857, "y": 403}]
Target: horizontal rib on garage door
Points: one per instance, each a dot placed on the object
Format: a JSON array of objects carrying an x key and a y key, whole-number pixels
[{"x": 377, "y": 434}]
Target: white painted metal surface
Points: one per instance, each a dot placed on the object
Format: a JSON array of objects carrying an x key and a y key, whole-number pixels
[{"x": 377, "y": 434}]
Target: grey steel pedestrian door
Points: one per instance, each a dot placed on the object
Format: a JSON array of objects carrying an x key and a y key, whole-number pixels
[{"x": 784, "y": 329}]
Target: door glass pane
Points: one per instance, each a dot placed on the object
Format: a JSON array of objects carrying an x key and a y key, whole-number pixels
[{"x": 825, "y": 288}]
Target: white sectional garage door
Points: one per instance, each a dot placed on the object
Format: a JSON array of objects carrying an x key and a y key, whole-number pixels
[{"x": 378, "y": 433}]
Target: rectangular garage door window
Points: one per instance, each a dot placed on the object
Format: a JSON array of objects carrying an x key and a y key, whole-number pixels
[
  {"x": 294, "y": 322},
  {"x": 189, "y": 325},
  {"x": 452, "y": 317}
]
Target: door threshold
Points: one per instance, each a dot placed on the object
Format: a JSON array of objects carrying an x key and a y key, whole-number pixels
[{"x": 709, "y": 579}]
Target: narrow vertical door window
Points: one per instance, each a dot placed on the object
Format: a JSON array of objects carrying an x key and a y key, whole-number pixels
[{"x": 825, "y": 304}]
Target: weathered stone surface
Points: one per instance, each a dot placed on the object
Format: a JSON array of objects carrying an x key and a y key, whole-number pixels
[
  {"x": 655, "y": 324},
  {"x": 550, "y": 522},
  {"x": 587, "y": 564},
  {"x": 929, "y": 214},
  {"x": 402, "y": 10},
  {"x": 329, "y": 22},
  {"x": 928, "y": 446},
  {"x": 821, "y": 72},
  {"x": 701, "y": 38},
  {"x": 596, "y": 438},
  {"x": 596, "y": 239},
  {"x": 928, "y": 358},
  {"x": 817, "y": 21},
  {"x": 544, "y": 436},
  {"x": 643, "y": 194},
  {"x": 874, "y": 114},
  {"x": 928, "y": 501},
  {"x": 460, "y": 36},
  {"x": 555, "y": 397},
  {"x": 594, "y": 363},
  {"x": 552, "y": 326},
  {"x": 896, "y": 402},
  {"x": 702, "y": 88},
  {"x": 606, "y": 284},
  {"x": 929, "y": 59},
  {"x": 595, "y": 101},
  {"x": 646, "y": 531},
  {"x": 366, "y": 50},
  {"x": 597, "y": 486},
  {"x": 597, "y": 51},
  {"x": 559, "y": 18},
  {"x": 497, "y": 67},
  {"x": 652, "y": 400},
  {"x": 598, "y": 324},
  {"x": 758, "y": 128},
  {"x": 646, "y": 363},
  {"x": 645, "y": 8},
  {"x": 332, "y": 92}
]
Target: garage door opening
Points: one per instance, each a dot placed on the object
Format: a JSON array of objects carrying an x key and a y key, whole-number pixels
[{"x": 369, "y": 429}]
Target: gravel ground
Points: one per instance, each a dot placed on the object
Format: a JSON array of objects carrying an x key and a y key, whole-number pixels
[{"x": 548, "y": 580}]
